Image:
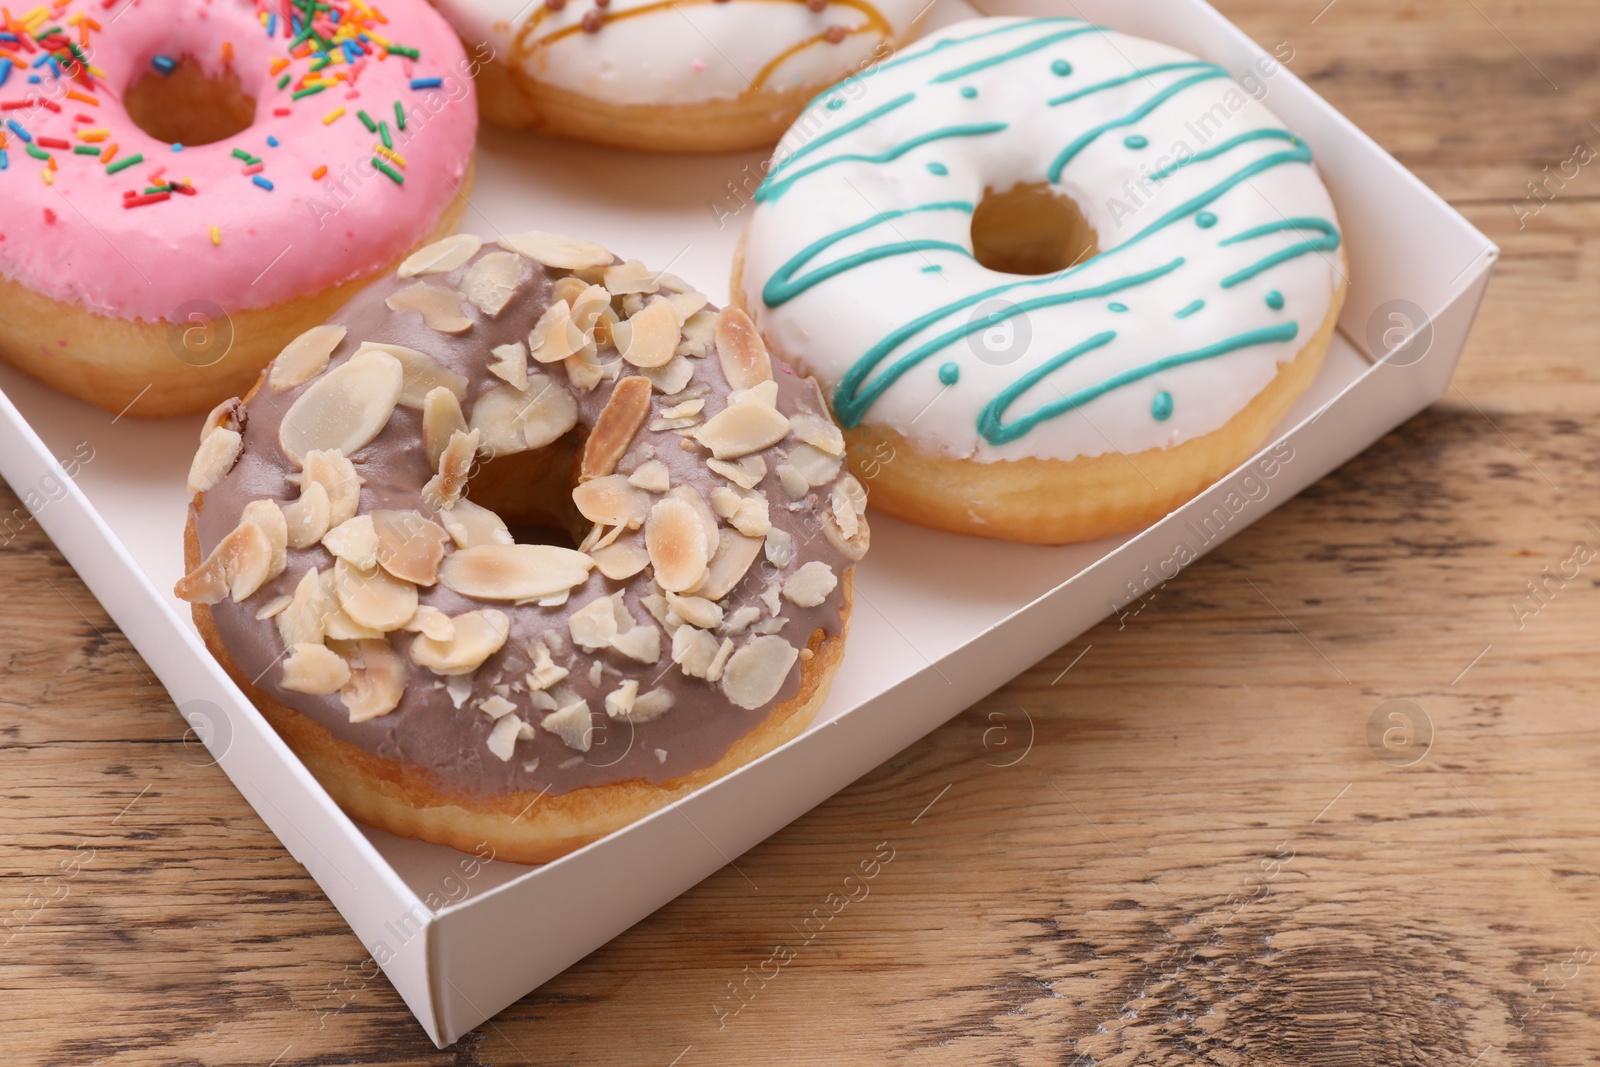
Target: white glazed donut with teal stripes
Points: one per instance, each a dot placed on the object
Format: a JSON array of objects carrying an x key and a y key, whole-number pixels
[{"x": 1218, "y": 244}]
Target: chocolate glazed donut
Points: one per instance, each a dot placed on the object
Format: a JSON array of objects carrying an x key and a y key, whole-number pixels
[{"x": 378, "y": 545}]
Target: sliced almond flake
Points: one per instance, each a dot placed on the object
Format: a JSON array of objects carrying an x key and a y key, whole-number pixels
[
  {"x": 557, "y": 250},
  {"x": 746, "y": 473},
  {"x": 615, "y": 427},
  {"x": 304, "y": 620},
  {"x": 571, "y": 724},
  {"x": 743, "y": 356},
  {"x": 567, "y": 288},
  {"x": 732, "y": 559},
  {"x": 725, "y": 501},
  {"x": 337, "y": 475},
  {"x": 769, "y": 597},
  {"x": 612, "y": 501},
  {"x": 756, "y": 672},
  {"x": 676, "y": 539},
  {"x": 760, "y": 393},
  {"x": 795, "y": 485},
  {"x": 693, "y": 650},
  {"x": 502, "y": 740},
  {"x": 619, "y": 702},
  {"x": 593, "y": 625},
  {"x": 555, "y": 336},
  {"x": 440, "y": 308},
  {"x": 814, "y": 465},
  {"x": 630, "y": 277},
  {"x": 737, "y": 623},
  {"x": 847, "y": 531},
  {"x": 651, "y": 476},
  {"x": 657, "y": 606},
  {"x": 818, "y": 432},
  {"x": 708, "y": 519},
  {"x": 496, "y": 707},
  {"x": 214, "y": 458},
  {"x": 377, "y": 680},
  {"x": 642, "y": 643},
  {"x": 236, "y": 568},
  {"x": 632, "y": 304},
  {"x": 267, "y": 515},
  {"x": 622, "y": 560},
  {"x": 696, "y": 610},
  {"x": 314, "y": 669},
  {"x": 344, "y": 409},
  {"x": 751, "y": 518},
  {"x": 588, "y": 306},
  {"x": 647, "y": 707},
  {"x": 652, "y": 335},
  {"x": 497, "y": 417},
  {"x": 354, "y": 541},
  {"x": 478, "y": 635},
  {"x": 584, "y": 371},
  {"x": 273, "y": 608},
  {"x": 459, "y": 687},
  {"x": 596, "y": 673},
  {"x": 687, "y": 409},
  {"x": 432, "y": 622},
  {"x": 511, "y": 364},
  {"x": 306, "y": 518},
  {"x": 441, "y": 257},
  {"x": 420, "y": 374},
  {"x": 409, "y": 546},
  {"x": 373, "y": 598},
  {"x": 742, "y": 428},
  {"x": 549, "y": 411},
  {"x": 514, "y": 572},
  {"x": 810, "y": 585},
  {"x": 305, "y": 357},
  {"x": 660, "y": 425},
  {"x": 769, "y": 626},
  {"x": 779, "y": 548},
  {"x": 687, "y": 303},
  {"x": 441, "y": 419},
  {"x": 492, "y": 281},
  {"x": 672, "y": 378},
  {"x": 341, "y": 627},
  {"x": 472, "y": 524},
  {"x": 720, "y": 662},
  {"x": 545, "y": 672}
]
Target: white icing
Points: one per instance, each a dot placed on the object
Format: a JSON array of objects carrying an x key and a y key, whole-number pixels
[
  {"x": 684, "y": 52},
  {"x": 829, "y": 326}
]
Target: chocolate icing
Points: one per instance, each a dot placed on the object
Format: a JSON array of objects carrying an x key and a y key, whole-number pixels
[{"x": 428, "y": 728}]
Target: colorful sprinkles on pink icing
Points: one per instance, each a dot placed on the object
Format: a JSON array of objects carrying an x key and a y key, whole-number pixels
[{"x": 326, "y": 45}]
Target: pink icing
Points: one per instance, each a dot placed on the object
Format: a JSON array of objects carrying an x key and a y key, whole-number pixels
[{"x": 73, "y": 239}]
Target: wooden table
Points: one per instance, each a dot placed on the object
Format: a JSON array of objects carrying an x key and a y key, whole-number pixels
[{"x": 1206, "y": 855}]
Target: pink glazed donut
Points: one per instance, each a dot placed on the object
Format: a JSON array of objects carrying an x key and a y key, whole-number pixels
[{"x": 188, "y": 185}]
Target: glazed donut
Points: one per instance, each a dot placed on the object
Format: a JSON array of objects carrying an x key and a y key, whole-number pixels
[
  {"x": 187, "y": 185},
  {"x": 355, "y": 563},
  {"x": 1055, "y": 279},
  {"x": 690, "y": 76}
]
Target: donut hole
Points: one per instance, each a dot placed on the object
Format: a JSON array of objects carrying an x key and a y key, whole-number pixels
[
  {"x": 188, "y": 106},
  {"x": 532, "y": 492},
  {"x": 1031, "y": 229}
]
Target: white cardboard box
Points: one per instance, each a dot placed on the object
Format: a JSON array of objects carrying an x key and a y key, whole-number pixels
[{"x": 1418, "y": 272}]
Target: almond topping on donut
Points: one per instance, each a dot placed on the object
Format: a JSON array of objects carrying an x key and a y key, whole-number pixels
[
  {"x": 814, "y": 465},
  {"x": 614, "y": 430},
  {"x": 409, "y": 546},
  {"x": 612, "y": 501},
  {"x": 547, "y": 412},
  {"x": 675, "y": 537},
  {"x": 571, "y": 724},
  {"x": 847, "y": 528},
  {"x": 631, "y": 277},
  {"x": 305, "y": 357},
  {"x": 672, "y": 378},
  {"x": 230, "y": 415},
  {"x": 336, "y": 474},
  {"x": 441, "y": 419},
  {"x": 236, "y": 568},
  {"x": 441, "y": 257},
  {"x": 693, "y": 650},
  {"x": 220, "y": 451},
  {"x": 354, "y": 541},
  {"x": 421, "y": 374},
  {"x": 557, "y": 250},
  {"x": 648, "y": 707},
  {"x": 652, "y": 475},
  {"x": 377, "y": 679},
  {"x": 687, "y": 303},
  {"x": 696, "y": 610},
  {"x": 492, "y": 282},
  {"x": 746, "y": 472},
  {"x": 818, "y": 432},
  {"x": 471, "y": 525},
  {"x": 306, "y": 518},
  {"x": 555, "y": 336},
  {"x": 440, "y": 308},
  {"x": 652, "y": 335},
  {"x": 267, "y": 515},
  {"x": 511, "y": 364},
  {"x": 304, "y": 621},
  {"x": 514, "y": 572},
  {"x": 593, "y": 625},
  {"x": 455, "y": 466},
  {"x": 478, "y": 635},
  {"x": 743, "y": 357},
  {"x": 810, "y": 585},
  {"x": 588, "y": 306},
  {"x": 314, "y": 668},
  {"x": 545, "y": 672},
  {"x": 373, "y": 598},
  {"x": 741, "y": 428},
  {"x": 620, "y": 700},
  {"x": 431, "y": 622},
  {"x": 756, "y": 672},
  {"x": 621, "y": 560},
  {"x": 732, "y": 559},
  {"x": 344, "y": 409},
  {"x": 502, "y": 740}
]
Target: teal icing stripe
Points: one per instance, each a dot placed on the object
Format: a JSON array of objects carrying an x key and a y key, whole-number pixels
[
  {"x": 1083, "y": 141},
  {"x": 854, "y": 395},
  {"x": 1217, "y": 150},
  {"x": 771, "y": 190},
  {"x": 1078, "y": 94},
  {"x": 1015, "y": 53},
  {"x": 998, "y": 432},
  {"x": 955, "y": 42},
  {"x": 784, "y": 286},
  {"x": 1326, "y": 243},
  {"x": 1191, "y": 309},
  {"x": 834, "y": 135}
]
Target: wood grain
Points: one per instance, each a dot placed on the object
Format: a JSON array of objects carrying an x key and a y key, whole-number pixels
[{"x": 1170, "y": 842}]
